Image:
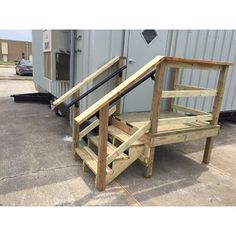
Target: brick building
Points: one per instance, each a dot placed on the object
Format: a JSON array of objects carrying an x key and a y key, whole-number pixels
[{"x": 12, "y": 50}]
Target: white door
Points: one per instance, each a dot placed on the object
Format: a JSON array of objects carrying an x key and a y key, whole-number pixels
[{"x": 143, "y": 46}]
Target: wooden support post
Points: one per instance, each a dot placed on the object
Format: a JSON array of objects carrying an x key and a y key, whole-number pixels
[
  {"x": 75, "y": 127},
  {"x": 119, "y": 80},
  {"x": 174, "y": 81},
  {"x": 102, "y": 148},
  {"x": 155, "y": 113},
  {"x": 216, "y": 111}
]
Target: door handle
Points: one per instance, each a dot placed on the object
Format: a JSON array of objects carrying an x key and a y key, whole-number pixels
[{"x": 131, "y": 61}]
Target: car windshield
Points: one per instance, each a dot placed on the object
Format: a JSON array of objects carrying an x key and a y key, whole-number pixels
[{"x": 26, "y": 62}]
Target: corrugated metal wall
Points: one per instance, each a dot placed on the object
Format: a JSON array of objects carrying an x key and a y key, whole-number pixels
[
  {"x": 95, "y": 47},
  {"x": 56, "y": 88},
  {"x": 209, "y": 45}
]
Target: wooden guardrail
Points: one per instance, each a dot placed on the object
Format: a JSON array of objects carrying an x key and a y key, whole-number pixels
[{"x": 159, "y": 63}]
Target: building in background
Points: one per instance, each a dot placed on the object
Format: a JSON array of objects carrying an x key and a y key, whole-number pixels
[{"x": 12, "y": 50}]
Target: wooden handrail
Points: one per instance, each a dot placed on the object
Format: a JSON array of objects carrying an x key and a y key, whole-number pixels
[
  {"x": 119, "y": 89},
  {"x": 193, "y": 63},
  {"x": 88, "y": 79},
  {"x": 134, "y": 137}
]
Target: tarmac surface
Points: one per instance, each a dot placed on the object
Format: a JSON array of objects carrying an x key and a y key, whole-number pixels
[
  {"x": 37, "y": 167},
  {"x": 9, "y": 73}
]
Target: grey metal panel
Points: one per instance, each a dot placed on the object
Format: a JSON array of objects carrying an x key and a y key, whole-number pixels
[
  {"x": 210, "y": 45},
  {"x": 213, "y": 45},
  {"x": 97, "y": 47},
  {"x": 57, "y": 88},
  {"x": 37, "y": 50},
  {"x": 141, "y": 53}
]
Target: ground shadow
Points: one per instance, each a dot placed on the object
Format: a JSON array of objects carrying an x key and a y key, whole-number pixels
[{"x": 172, "y": 171}]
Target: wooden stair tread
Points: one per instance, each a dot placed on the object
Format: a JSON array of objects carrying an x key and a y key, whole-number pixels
[
  {"x": 90, "y": 159},
  {"x": 121, "y": 135},
  {"x": 110, "y": 146}
]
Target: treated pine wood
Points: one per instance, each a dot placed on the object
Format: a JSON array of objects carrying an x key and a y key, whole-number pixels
[
  {"x": 187, "y": 87},
  {"x": 208, "y": 150},
  {"x": 88, "y": 159},
  {"x": 189, "y": 110},
  {"x": 156, "y": 98},
  {"x": 199, "y": 66},
  {"x": 155, "y": 113},
  {"x": 88, "y": 79},
  {"x": 188, "y": 93},
  {"x": 173, "y": 86},
  {"x": 143, "y": 159},
  {"x": 122, "y": 136},
  {"x": 197, "y": 61},
  {"x": 135, "y": 119},
  {"x": 216, "y": 111},
  {"x": 102, "y": 151},
  {"x": 75, "y": 127},
  {"x": 220, "y": 92},
  {"x": 94, "y": 124},
  {"x": 185, "y": 119},
  {"x": 119, "y": 80},
  {"x": 94, "y": 156},
  {"x": 120, "y": 166},
  {"x": 170, "y": 127},
  {"x": 187, "y": 135},
  {"x": 150, "y": 160},
  {"x": 118, "y": 90},
  {"x": 110, "y": 149},
  {"x": 125, "y": 145},
  {"x": 129, "y": 129}
]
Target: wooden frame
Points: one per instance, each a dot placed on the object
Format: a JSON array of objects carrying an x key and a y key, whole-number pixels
[{"x": 121, "y": 141}]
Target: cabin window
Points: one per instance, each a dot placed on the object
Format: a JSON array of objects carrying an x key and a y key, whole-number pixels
[
  {"x": 47, "y": 64},
  {"x": 149, "y": 35},
  {"x": 62, "y": 66}
]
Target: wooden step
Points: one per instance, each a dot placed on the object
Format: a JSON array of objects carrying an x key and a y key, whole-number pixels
[
  {"x": 90, "y": 159},
  {"x": 121, "y": 135},
  {"x": 110, "y": 148}
]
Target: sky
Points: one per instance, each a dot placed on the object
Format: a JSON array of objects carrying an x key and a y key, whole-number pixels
[{"x": 22, "y": 35}]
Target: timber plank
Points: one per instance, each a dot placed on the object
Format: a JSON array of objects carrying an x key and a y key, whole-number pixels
[
  {"x": 188, "y": 93},
  {"x": 121, "y": 135},
  {"x": 110, "y": 148},
  {"x": 163, "y": 139},
  {"x": 119, "y": 89},
  {"x": 127, "y": 143},
  {"x": 88, "y": 79},
  {"x": 94, "y": 124}
]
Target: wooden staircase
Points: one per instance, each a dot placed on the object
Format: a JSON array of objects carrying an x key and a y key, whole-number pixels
[
  {"x": 122, "y": 150},
  {"x": 119, "y": 140}
]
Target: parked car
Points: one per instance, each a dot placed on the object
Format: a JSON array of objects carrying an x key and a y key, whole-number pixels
[{"x": 24, "y": 67}]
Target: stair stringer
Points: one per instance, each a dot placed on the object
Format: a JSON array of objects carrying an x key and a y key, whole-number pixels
[{"x": 119, "y": 166}]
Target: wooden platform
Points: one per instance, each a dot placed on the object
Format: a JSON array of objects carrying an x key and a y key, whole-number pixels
[
  {"x": 125, "y": 138},
  {"x": 169, "y": 133}
]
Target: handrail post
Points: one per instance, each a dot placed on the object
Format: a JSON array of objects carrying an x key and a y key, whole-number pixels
[
  {"x": 155, "y": 112},
  {"x": 174, "y": 81},
  {"x": 119, "y": 80},
  {"x": 216, "y": 111},
  {"x": 102, "y": 151},
  {"x": 75, "y": 127}
]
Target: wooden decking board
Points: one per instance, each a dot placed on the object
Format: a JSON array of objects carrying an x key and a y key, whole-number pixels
[
  {"x": 139, "y": 133},
  {"x": 110, "y": 147},
  {"x": 121, "y": 135},
  {"x": 137, "y": 119}
]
